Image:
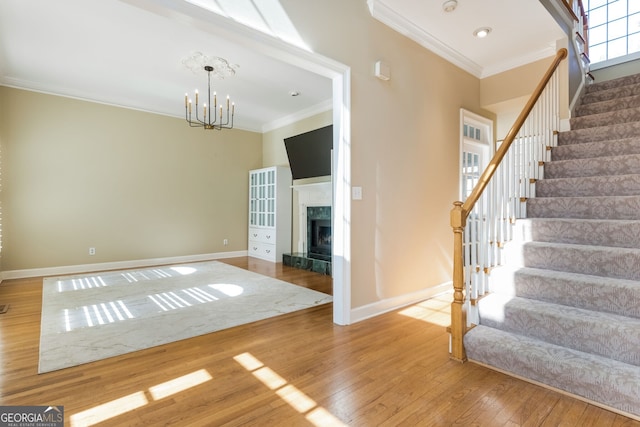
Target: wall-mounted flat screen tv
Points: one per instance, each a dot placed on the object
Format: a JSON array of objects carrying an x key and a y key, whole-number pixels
[{"x": 310, "y": 153}]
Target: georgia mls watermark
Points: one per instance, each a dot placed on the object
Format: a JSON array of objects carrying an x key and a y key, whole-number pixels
[{"x": 31, "y": 416}]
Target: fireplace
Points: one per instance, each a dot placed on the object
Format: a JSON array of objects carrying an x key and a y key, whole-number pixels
[
  {"x": 319, "y": 232},
  {"x": 313, "y": 241}
]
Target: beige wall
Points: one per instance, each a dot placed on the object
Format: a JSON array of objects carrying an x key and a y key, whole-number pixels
[
  {"x": 506, "y": 93},
  {"x": 136, "y": 185},
  {"x": 131, "y": 184},
  {"x": 514, "y": 83},
  {"x": 404, "y": 147}
]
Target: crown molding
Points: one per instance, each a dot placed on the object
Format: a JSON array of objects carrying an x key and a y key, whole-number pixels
[
  {"x": 66, "y": 93},
  {"x": 300, "y": 115},
  {"x": 389, "y": 17}
]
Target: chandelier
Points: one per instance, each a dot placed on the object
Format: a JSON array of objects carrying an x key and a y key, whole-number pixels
[{"x": 214, "y": 116}]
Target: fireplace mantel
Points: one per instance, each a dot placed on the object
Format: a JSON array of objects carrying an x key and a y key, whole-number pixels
[
  {"x": 315, "y": 194},
  {"x": 316, "y": 190}
]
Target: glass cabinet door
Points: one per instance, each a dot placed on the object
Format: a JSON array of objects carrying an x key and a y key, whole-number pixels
[{"x": 262, "y": 198}]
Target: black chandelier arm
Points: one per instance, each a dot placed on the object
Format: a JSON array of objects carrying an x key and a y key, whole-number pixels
[
  {"x": 192, "y": 123},
  {"x": 228, "y": 124}
]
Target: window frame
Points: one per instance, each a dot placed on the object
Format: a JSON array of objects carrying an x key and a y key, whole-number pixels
[{"x": 619, "y": 59}]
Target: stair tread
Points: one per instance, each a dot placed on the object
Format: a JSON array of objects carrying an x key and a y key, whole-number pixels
[
  {"x": 611, "y": 93},
  {"x": 560, "y": 310},
  {"x": 606, "y": 334},
  {"x": 589, "y": 248},
  {"x": 589, "y": 231},
  {"x": 621, "y": 185},
  {"x": 579, "y": 198},
  {"x": 593, "y": 177},
  {"x": 596, "y": 207},
  {"x": 606, "y": 294},
  {"x": 596, "y": 378},
  {"x": 583, "y": 220},
  {"x": 622, "y": 115},
  {"x": 583, "y": 278},
  {"x": 613, "y": 83},
  {"x": 608, "y": 105},
  {"x": 609, "y": 335},
  {"x": 596, "y": 149},
  {"x": 609, "y": 261},
  {"x": 601, "y": 133},
  {"x": 590, "y": 167}
]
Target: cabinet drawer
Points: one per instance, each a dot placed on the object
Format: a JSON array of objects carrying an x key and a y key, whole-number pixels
[
  {"x": 264, "y": 235},
  {"x": 262, "y": 250}
]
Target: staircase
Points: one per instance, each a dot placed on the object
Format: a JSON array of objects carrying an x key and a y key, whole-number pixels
[{"x": 565, "y": 310}]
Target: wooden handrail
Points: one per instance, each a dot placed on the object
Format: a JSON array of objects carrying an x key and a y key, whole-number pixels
[
  {"x": 504, "y": 147},
  {"x": 461, "y": 211}
]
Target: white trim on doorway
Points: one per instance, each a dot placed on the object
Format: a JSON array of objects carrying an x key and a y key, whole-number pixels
[{"x": 340, "y": 74}]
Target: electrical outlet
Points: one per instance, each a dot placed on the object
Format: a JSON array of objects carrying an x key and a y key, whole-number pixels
[
  {"x": 92, "y": 251},
  {"x": 225, "y": 242}
]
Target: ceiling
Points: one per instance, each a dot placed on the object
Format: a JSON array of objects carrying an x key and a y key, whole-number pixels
[
  {"x": 129, "y": 52},
  {"x": 513, "y": 41}
]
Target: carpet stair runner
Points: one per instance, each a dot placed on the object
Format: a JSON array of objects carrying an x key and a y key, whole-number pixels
[{"x": 564, "y": 311}]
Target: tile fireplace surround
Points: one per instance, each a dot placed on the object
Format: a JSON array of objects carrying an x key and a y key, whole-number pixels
[{"x": 317, "y": 196}]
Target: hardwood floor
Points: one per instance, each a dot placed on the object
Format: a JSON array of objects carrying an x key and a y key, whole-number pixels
[{"x": 297, "y": 369}]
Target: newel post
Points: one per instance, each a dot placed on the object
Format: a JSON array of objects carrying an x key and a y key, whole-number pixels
[{"x": 458, "y": 313}]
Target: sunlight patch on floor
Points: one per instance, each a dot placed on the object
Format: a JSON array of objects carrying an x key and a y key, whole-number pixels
[
  {"x": 435, "y": 310},
  {"x": 179, "y": 384},
  {"x": 133, "y": 401},
  {"x": 228, "y": 289},
  {"x": 184, "y": 270},
  {"x": 108, "y": 410},
  {"x": 298, "y": 400}
]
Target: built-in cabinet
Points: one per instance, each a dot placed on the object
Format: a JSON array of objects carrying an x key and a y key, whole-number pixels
[{"x": 269, "y": 213}]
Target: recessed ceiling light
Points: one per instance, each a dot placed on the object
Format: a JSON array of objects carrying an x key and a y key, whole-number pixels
[
  {"x": 482, "y": 32},
  {"x": 294, "y": 93},
  {"x": 450, "y": 5}
]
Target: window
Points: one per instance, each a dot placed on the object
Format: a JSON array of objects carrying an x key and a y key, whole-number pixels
[
  {"x": 614, "y": 29},
  {"x": 475, "y": 148}
]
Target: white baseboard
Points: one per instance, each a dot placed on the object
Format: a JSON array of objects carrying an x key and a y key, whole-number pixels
[
  {"x": 395, "y": 303},
  {"x": 117, "y": 265}
]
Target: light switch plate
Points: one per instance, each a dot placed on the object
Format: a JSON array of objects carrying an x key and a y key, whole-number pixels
[{"x": 356, "y": 193}]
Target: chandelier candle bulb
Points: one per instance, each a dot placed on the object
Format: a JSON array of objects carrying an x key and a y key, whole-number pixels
[{"x": 210, "y": 121}]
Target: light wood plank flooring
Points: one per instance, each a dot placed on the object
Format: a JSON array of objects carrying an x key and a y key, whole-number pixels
[{"x": 298, "y": 369}]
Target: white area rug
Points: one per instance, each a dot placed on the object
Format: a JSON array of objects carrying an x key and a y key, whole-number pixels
[{"x": 92, "y": 317}]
